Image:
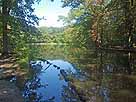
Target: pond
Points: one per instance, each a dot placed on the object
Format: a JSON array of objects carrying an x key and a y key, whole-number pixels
[{"x": 70, "y": 74}]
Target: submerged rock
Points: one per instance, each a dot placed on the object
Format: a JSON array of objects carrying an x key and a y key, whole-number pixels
[{"x": 86, "y": 90}]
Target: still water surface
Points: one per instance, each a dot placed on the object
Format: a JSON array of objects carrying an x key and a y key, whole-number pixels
[
  {"x": 47, "y": 84},
  {"x": 97, "y": 76}
]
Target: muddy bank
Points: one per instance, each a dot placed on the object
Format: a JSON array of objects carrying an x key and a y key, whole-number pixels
[
  {"x": 9, "y": 69},
  {"x": 9, "y": 92}
]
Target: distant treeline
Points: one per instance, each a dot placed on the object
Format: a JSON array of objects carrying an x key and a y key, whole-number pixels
[{"x": 51, "y": 30}]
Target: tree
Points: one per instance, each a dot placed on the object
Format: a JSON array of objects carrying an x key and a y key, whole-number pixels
[
  {"x": 18, "y": 15},
  {"x": 5, "y": 14},
  {"x": 110, "y": 22}
]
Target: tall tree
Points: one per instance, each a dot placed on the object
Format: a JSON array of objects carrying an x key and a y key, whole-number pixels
[
  {"x": 5, "y": 14},
  {"x": 18, "y": 15},
  {"x": 111, "y": 22}
]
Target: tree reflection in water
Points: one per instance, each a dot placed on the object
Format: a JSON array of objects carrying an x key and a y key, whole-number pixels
[
  {"x": 30, "y": 92},
  {"x": 69, "y": 95},
  {"x": 48, "y": 76},
  {"x": 111, "y": 74}
]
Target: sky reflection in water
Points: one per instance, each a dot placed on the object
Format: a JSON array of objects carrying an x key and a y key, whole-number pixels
[{"x": 47, "y": 83}]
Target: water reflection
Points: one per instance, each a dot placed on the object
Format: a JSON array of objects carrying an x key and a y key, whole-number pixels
[
  {"x": 48, "y": 83},
  {"x": 102, "y": 76}
]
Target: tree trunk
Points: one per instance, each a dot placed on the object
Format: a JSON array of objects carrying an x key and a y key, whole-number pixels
[{"x": 4, "y": 23}]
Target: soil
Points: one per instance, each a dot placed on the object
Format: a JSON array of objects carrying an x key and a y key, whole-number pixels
[
  {"x": 9, "y": 92},
  {"x": 8, "y": 69}
]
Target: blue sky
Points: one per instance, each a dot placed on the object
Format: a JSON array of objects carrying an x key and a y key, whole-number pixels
[{"x": 50, "y": 11}]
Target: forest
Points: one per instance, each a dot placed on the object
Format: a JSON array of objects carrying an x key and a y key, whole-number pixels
[
  {"x": 91, "y": 25},
  {"x": 99, "y": 23}
]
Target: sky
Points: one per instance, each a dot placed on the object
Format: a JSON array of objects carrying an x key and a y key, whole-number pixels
[{"x": 50, "y": 11}]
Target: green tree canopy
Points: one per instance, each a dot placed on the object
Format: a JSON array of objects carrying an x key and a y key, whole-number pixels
[{"x": 18, "y": 22}]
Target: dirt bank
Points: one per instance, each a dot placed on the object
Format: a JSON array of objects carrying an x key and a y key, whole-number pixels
[
  {"x": 9, "y": 69},
  {"x": 9, "y": 92}
]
